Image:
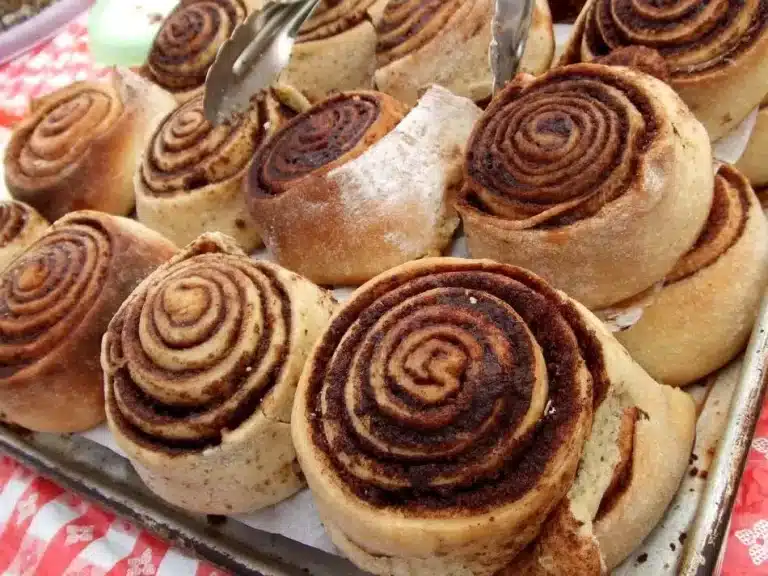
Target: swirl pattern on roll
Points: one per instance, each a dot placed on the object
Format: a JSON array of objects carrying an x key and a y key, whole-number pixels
[
  {"x": 333, "y": 17},
  {"x": 48, "y": 291},
  {"x": 332, "y": 132},
  {"x": 558, "y": 150},
  {"x": 407, "y": 25},
  {"x": 13, "y": 218},
  {"x": 725, "y": 225},
  {"x": 197, "y": 350},
  {"x": 694, "y": 37},
  {"x": 187, "y": 152},
  {"x": 63, "y": 135},
  {"x": 186, "y": 45},
  {"x": 453, "y": 387}
]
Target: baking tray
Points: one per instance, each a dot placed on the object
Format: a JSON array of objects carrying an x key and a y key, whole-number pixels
[{"x": 688, "y": 541}]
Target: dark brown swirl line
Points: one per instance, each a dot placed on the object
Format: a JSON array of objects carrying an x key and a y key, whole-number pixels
[
  {"x": 196, "y": 351},
  {"x": 407, "y": 25},
  {"x": 186, "y": 45},
  {"x": 557, "y": 150},
  {"x": 330, "y": 133},
  {"x": 333, "y": 17},
  {"x": 694, "y": 37},
  {"x": 48, "y": 291},
  {"x": 187, "y": 152},
  {"x": 452, "y": 386},
  {"x": 725, "y": 225},
  {"x": 13, "y": 218}
]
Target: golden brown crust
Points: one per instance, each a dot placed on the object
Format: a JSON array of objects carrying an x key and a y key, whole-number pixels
[
  {"x": 55, "y": 303},
  {"x": 201, "y": 364},
  {"x": 596, "y": 177},
  {"x": 351, "y": 188},
  {"x": 717, "y": 53},
  {"x": 186, "y": 45},
  {"x": 640, "y": 58},
  {"x": 703, "y": 316},
  {"x": 191, "y": 176},
  {"x": 425, "y": 42},
  {"x": 20, "y": 226},
  {"x": 79, "y": 147}
]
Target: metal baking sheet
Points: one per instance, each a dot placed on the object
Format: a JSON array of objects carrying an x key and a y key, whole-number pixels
[{"x": 686, "y": 542}]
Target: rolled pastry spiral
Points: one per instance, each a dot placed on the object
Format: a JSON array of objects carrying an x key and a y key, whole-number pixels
[
  {"x": 56, "y": 300},
  {"x": 200, "y": 365},
  {"x": 329, "y": 134},
  {"x": 352, "y": 187},
  {"x": 20, "y": 226},
  {"x": 78, "y": 148},
  {"x": 704, "y": 313},
  {"x": 424, "y": 42},
  {"x": 442, "y": 416},
  {"x": 335, "y": 50},
  {"x": 191, "y": 175},
  {"x": 717, "y": 51},
  {"x": 596, "y": 177},
  {"x": 186, "y": 45}
]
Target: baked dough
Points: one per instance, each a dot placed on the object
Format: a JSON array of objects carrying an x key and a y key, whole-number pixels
[{"x": 20, "y": 226}]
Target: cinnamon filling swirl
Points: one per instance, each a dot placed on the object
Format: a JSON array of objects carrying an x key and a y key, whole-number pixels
[
  {"x": 187, "y": 44},
  {"x": 694, "y": 37},
  {"x": 48, "y": 291},
  {"x": 333, "y": 17},
  {"x": 187, "y": 152},
  {"x": 452, "y": 388},
  {"x": 338, "y": 129},
  {"x": 558, "y": 149},
  {"x": 197, "y": 351},
  {"x": 725, "y": 225},
  {"x": 13, "y": 218}
]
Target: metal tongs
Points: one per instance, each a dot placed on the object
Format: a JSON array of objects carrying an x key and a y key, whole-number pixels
[{"x": 258, "y": 50}]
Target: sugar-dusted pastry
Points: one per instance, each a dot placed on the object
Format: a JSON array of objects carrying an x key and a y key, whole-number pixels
[
  {"x": 456, "y": 414},
  {"x": 78, "y": 147},
  {"x": 200, "y": 367},
  {"x": 717, "y": 52},
  {"x": 190, "y": 178},
  {"x": 56, "y": 300},
  {"x": 348, "y": 189},
  {"x": 187, "y": 43},
  {"x": 335, "y": 50},
  {"x": 423, "y": 43},
  {"x": 704, "y": 314},
  {"x": 596, "y": 177},
  {"x": 20, "y": 226},
  {"x": 754, "y": 162}
]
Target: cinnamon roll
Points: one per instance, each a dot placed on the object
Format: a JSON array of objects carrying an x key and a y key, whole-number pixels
[
  {"x": 79, "y": 146},
  {"x": 335, "y": 50},
  {"x": 351, "y": 188},
  {"x": 200, "y": 366},
  {"x": 20, "y": 226},
  {"x": 187, "y": 43},
  {"x": 56, "y": 300},
  {"x": 454, "y": 409},
  {"x": 717, "y": 52},
  {"x": 703, "y": 316},
  {"x": 753, "y": 162},
  {"x": 424, "y": 42},
  {"x": 596, "y": 177},
  {"x": 191, "y": 176}
]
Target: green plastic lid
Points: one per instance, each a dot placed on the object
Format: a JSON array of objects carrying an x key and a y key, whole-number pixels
[{"x": 121, "y": 31}]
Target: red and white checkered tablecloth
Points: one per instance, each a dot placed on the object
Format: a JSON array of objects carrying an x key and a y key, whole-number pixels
[{"x": 46, "y": 531}]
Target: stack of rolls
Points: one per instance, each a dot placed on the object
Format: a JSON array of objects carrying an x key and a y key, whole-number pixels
[
  {"x": 463, "y": 417},
  {"x": 717, "y": 52},
  {"x": 78, "y": 147},
  {"x": 200, "y": 366},
  {"x": 190, "y": 178},
  {"x": 600, "y": 179}
]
